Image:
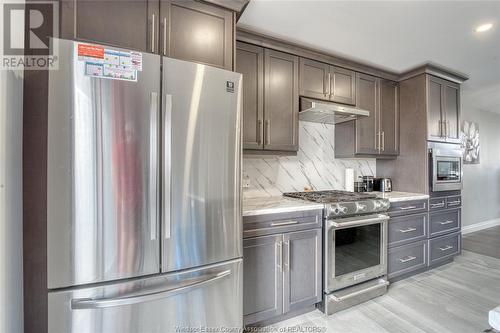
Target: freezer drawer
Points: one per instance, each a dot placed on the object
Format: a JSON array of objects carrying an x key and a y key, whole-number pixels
[
  {"x": 102, "y": 175},
  {"x": 210, "y": 297}
]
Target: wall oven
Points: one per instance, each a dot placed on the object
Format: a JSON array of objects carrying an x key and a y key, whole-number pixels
[
  {"x": 445, "y": 167},
  {"x": 355, "y": 250}
]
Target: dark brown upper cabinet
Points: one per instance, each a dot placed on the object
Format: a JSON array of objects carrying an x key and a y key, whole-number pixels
[
  {"x": 367, "y": 127},
  {"x": 126, "y": 24},
  {"x": 322, "y": 81},
  {"x": 314, "y": 81},
  {"x": 251, "y": 64},
  {"x": 270, "y": 98},
  {"x": 281, "y": 101},
  {"x": 389, "y": 118},
  {"x": 378, "y": 134},
  {"x": 198, "y": 32},
  {"x": 183, "y": 29},
  {"x": 443, "y": 110}
]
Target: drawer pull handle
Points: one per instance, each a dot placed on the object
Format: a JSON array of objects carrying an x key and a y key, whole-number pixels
[
  {"x": 279, "y": 224},
  {"x": 453, "y": 203},
  {"x": 407, "y": 230},
  {"x": 446, "y": 222},
  {"x": 438, "y": 205},
  {"x": 407, "y": 207},
  {"x": 407, "y": 259},
  {"x": 446, "y": 248}
]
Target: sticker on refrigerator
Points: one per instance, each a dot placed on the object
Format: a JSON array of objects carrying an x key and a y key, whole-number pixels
[{"x": 110, "y": 64}]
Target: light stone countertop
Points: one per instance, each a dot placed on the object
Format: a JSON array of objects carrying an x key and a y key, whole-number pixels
[
  {"x": 271, "y": 205},
  {"x": 396, "y": 196}
]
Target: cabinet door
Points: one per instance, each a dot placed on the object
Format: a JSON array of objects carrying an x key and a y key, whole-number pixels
[
  {"x": 302, "y": 266},
  {"x": 263, "y": 278},
  {"x": 434, "y": 109},
  {"x": 281, "y": 101},
  {"x": 198, "y": 32},
  {"x": 389, "y": 118},
  {"x": 367, "y": 127},
  {"x": 451, "y": 111},
  {"x": 343, "y": 86},
  {"x": 314, "y": 81},
  {"x": 126, "y": 24},
  {"x": 250, "y": 63}
]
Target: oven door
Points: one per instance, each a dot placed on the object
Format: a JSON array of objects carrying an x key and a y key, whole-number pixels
[
  {"x": 355, "y": 250},
  {"x": 446, "y": 173}
]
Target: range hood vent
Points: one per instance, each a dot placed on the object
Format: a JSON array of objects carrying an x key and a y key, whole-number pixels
[{"x": 327, "y": 112}]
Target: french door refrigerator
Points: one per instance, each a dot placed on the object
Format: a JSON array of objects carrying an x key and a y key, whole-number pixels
[{"x": 144, "y": 222}]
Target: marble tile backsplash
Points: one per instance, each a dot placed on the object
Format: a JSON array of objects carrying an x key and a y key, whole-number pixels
[{"x": 313, "y": 166}]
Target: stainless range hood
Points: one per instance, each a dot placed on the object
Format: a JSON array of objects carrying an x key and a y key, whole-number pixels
[{"x": 328, "y": 112}]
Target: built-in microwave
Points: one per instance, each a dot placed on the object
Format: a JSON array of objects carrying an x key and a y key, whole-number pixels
[{"x": 445, "y": 166}]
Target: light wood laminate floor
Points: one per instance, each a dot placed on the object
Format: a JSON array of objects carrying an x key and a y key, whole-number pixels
[
  {"x": 454, "y": 298},
  {"x": 486, "y": 241}
]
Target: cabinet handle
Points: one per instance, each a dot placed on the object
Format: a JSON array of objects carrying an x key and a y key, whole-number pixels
[
  {"x": 278, "y": 224},
  {"x": 408, "y": 207},
  {"x": 165, "y": 36},
  {"x": 438, "y": 205},
  {"x": 377, "y": 143},
  {"x": 446, "y": 248},
  {"x": 407, "y": 259},
  {"x": 446, "y": 222},
  {"x": 453, "y": 203},
  {"x": 287, "y": 262},
  {"x": 153, "y": 33},
  {"x": 259, "y": 132},
  {"x": 383, "y": 140},
  {"x": 279, "y": 253},
  {"x": 329, "y": 91},
  {"x": 407, "y": 230},
  {"x": 267, "y": 130},
  {"x": 441, "y": 135}
]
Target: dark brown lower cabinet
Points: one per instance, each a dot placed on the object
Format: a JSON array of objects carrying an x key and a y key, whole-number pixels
[{"x": 282, "y": 274}]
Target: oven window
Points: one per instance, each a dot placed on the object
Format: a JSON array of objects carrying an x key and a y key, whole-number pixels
[
  {"x": 357, "y": 248},
  {"x": 448, "y": 170}
]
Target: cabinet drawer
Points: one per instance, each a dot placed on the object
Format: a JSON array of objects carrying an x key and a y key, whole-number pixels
[
  {"x": 408, "y": 207},
  {"x": 406, "y": 258},
  {"x": 437, "y": 203},
  {"x": 269, "y": 224},
  {"x": 407, "y": 229},
  {"x": 453, "y": 201},
  {"x": 444, "y": 247},
  {"x": 443, "y": 222}
]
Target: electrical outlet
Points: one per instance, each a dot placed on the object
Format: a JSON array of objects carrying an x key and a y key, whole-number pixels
[{"x": 246, "y": 182}]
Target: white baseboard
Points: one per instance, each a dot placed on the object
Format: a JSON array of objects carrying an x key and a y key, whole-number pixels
[{"x": 480, "y": 226}]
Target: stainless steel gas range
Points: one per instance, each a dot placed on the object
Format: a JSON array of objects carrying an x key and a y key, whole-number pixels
[{"x": 354, "y": 247}]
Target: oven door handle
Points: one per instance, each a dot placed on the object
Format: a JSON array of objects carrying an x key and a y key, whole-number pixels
[{"x": 356, "y": 222}]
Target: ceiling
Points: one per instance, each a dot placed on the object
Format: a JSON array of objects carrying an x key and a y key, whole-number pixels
[{"x": 395, "y": 35}]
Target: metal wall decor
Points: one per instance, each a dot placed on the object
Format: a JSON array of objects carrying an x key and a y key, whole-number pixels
[{"x": 470, "y": 142}]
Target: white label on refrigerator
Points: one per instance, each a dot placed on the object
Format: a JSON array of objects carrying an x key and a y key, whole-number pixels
[{"x": 110, "y": 64}]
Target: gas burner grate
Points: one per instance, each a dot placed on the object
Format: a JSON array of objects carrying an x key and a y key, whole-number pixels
[{"x": 330, "y": 196}]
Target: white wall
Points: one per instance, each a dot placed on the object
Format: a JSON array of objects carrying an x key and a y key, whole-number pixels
[
  {"x": 481, "y": 188},
  {"x": 11, "y": 222}
]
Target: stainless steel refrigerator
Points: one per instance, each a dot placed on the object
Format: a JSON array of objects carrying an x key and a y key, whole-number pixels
[{"x": 144, "y": 222}]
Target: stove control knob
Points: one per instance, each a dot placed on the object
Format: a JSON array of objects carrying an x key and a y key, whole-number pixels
[
  {"x": 360, "y": 207},
  {"x": 343, "y": 209}
]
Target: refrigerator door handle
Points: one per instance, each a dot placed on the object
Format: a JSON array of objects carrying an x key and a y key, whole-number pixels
[
  {"x": 187, "y": 286},
  {"x": 166, "y": 164},
  {"x": 153, "y": 160}
]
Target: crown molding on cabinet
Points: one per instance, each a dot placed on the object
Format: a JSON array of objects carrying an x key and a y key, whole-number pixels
[
  {"x": 435, "y": 70},
  {"x": 256, "y": 38},
  {"x": 252, "y": 37}
]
